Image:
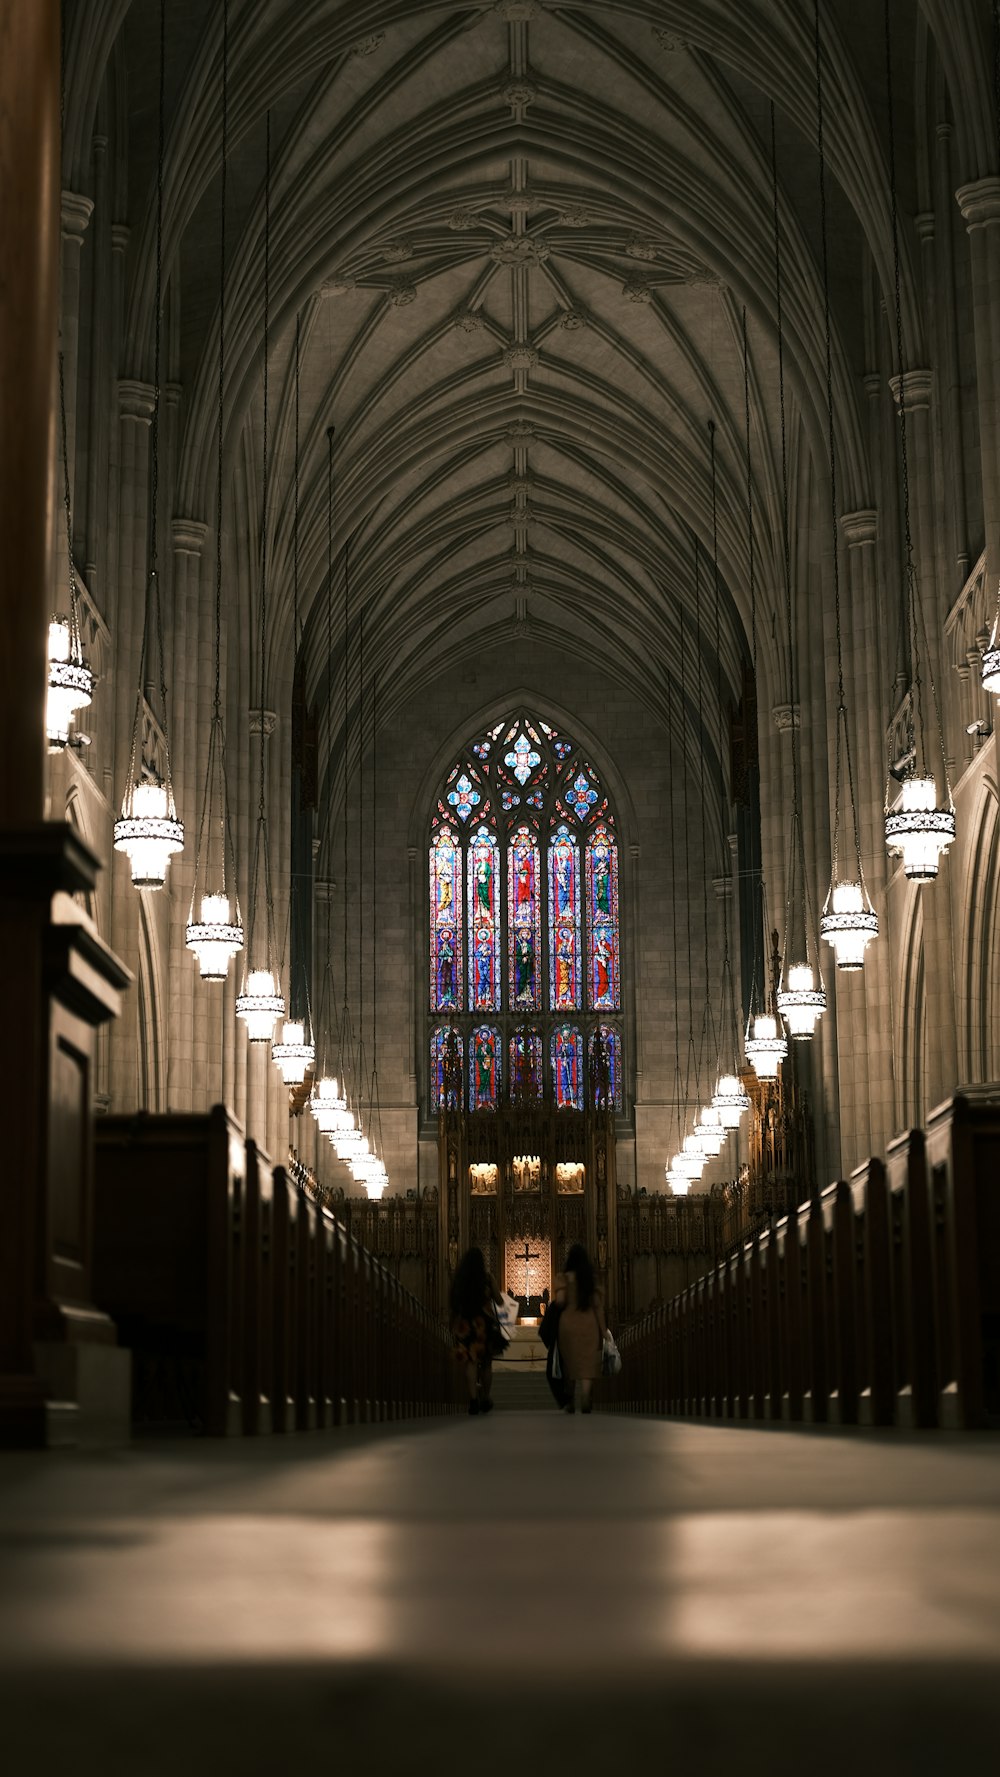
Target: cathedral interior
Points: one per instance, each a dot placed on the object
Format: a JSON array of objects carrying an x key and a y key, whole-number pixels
[{"x": 502, "y": 606}]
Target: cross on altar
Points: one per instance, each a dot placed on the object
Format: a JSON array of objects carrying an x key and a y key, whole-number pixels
[{"x": 527, "y": 1256}]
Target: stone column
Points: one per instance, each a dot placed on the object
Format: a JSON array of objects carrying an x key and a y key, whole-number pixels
[
  {"x": 939, "y": 954},
  {"x": 76, "y": 213},
  {"x": 980, "y": 207},
  {"x": 864, "y": 1003}
]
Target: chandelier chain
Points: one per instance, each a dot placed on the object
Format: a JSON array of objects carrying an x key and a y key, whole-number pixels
[
  {"x": 687, "y": 854},
  {"x": 296, "y": 626},
  {"x": 222, "y": 354},
  {"x": 843, "y": 741},
  {"x": 265, "y": 468},
  {"x": 708, "y": 1034},
  {"x": 758, "y": 958},
  {"x": 158, "y": 331},
  {"x": 911, "y": 590},
  {"x": 74, "y": 595},
  {"x": 331, "y": 1010},
  {"x": 671, "y": 780},
  {"x": 995, "y": 636},
  {"x": 728, "y": 990}
]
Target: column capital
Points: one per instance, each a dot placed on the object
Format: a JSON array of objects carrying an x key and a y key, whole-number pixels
[
  {"x": 872, "y": 384},
  {"x": 270, "y": 721},
  {"x": 136, "y": 400},
  {"x": 859, "y": 527},
  {"x": 120, "y": 232},
  {"x": 76, "y": 212},
  {"x": 924, "y": 224},
  {"x": 189, "y": 535},
  {"x": 786, "y": 716},
  {"x": 916, "y": 386},
  {"x": 980, "y": 203}
]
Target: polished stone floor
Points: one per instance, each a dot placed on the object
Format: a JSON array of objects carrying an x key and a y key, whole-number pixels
[{"x": 525, "y": 1588}]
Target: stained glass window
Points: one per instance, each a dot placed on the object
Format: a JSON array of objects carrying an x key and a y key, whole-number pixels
[
  {"x": 605, "y": 1064},
  {"x": 567, "y": 1068},
  {"x": 443, "y": 1040},
  {"x": 484, "y": 922},
  {"x": 524, "y": 920},
  {"x": 524, "y": 1067},
  {"x": 604, "y": 992},
  {"x": 524, "y": 934},
  {"x": 446, "y": 922},
  {"x": 484, "y": 1068},
  {"x": 564, "y": 921}
]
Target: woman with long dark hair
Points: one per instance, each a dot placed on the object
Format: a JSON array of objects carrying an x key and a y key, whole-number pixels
[
  {"x": 474, "y": 1324},
  {"x": 582, "y": 1326}
]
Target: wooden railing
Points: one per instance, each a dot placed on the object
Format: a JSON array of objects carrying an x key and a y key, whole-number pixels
[
  {"x": 877, "y": 1303},
  {"x": 247, "y": 1306}
]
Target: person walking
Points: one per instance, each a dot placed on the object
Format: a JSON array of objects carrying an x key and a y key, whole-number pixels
[
  {"x": 582, "y": 1326},
  {"x": 475, "y": 1327}
]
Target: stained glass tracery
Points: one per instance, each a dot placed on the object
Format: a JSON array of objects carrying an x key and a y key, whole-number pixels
[
  {"x": 484, "y": 922},
  {"x": 567, "y": 1068},
  {"x": 524, "y": 922},
  {"x": 484, "y": 1068},
  {"x": 446, "y": 1067},
  {"x": 524, "y": 919},
  {"x": 602, "y": 922},
  {"x": 564, "y": 921},
  {"x": 446, "y": 921}
]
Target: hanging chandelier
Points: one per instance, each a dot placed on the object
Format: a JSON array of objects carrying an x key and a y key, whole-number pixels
[
  {"x": 766, "y": 1049},
  {"x": 293, "y": 1054},
  {"x": 260, "y": 1004},
  {"x": 377, "y": 1181},
  {"x": 328, "y": 1105},
  {"x": 678, "y": 1180},
  {"x": 848, "y": 920},
  {"x": 710, "y": 1132},
  {"x": 802, "y": 1002},
  {"x": 70, "y": 685},
  {"x": 917, "y": 830},
  {"x": 148, "y": 830},
  {"x": 215, "y": 938},
  {"x": 70, "y": 682},
  {"x": 730, "y": 1100},
  {"x": 918, "y": 827},
  {"x": 214, "y": 931},
  {"x": 849, "y": 923}
]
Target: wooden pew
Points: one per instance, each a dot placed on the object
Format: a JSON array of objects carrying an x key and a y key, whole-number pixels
[
  {"x": 963, "y": 1153},
  {"x": 169, "y": 1263},
  {"x": 258, "y": 1320},
  {"x": 912, "y": 1281}
]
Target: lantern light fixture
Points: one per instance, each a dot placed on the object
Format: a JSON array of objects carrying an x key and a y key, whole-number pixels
[
  {"x": 918, "y": 830},
  {"x": 215, "y": 938},
  {"x": 710, "y": 1132},
  {"x": 849, "y": 923},
  {"x": 730, "y": 1100},
  {"x": 767, "y": 1048},
  {"x": 328, "y": 1104},
  {"x": 149, "y": 832},
  {"x": 70, "y": 682},
  {"x": 260, "y": 1005},
  {"x": 801, "y": 1003},
  {"x": 293, "y": 1054}
]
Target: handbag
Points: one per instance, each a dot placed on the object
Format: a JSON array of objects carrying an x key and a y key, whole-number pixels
[
  {"x": 611, "y": 1357},
  {"x": 506, "y": 1311}
]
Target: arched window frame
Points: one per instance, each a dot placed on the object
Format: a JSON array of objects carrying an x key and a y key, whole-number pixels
[{"x": 518, "y": 777}]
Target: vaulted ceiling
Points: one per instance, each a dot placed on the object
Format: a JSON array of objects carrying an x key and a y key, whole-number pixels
[{"x": 516, "y": 239}]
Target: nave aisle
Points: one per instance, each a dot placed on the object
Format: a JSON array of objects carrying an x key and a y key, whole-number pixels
[{"x": 642, "y": 1593}]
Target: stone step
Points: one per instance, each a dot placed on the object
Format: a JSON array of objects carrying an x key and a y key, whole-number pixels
[{"x": 521, "y": 1390}]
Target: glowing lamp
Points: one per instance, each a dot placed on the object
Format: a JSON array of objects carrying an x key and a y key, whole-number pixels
[
  {"x": 710, "y": 1132},
  {"x": 70, "y": 685},
  {"x": 918, "y": 830},
  {"x": 849, "y": 925},
  {"x": 260, "y": 1005},
  {"x": 730, "y": 1100},
  {"x": 765, "y": 1050},
  {"x": 214, "y": 939},
  {"x": 801, "y": 1003},
  {"x": 293, "y": 1054},
  {"x": 149, "y": 833}
]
